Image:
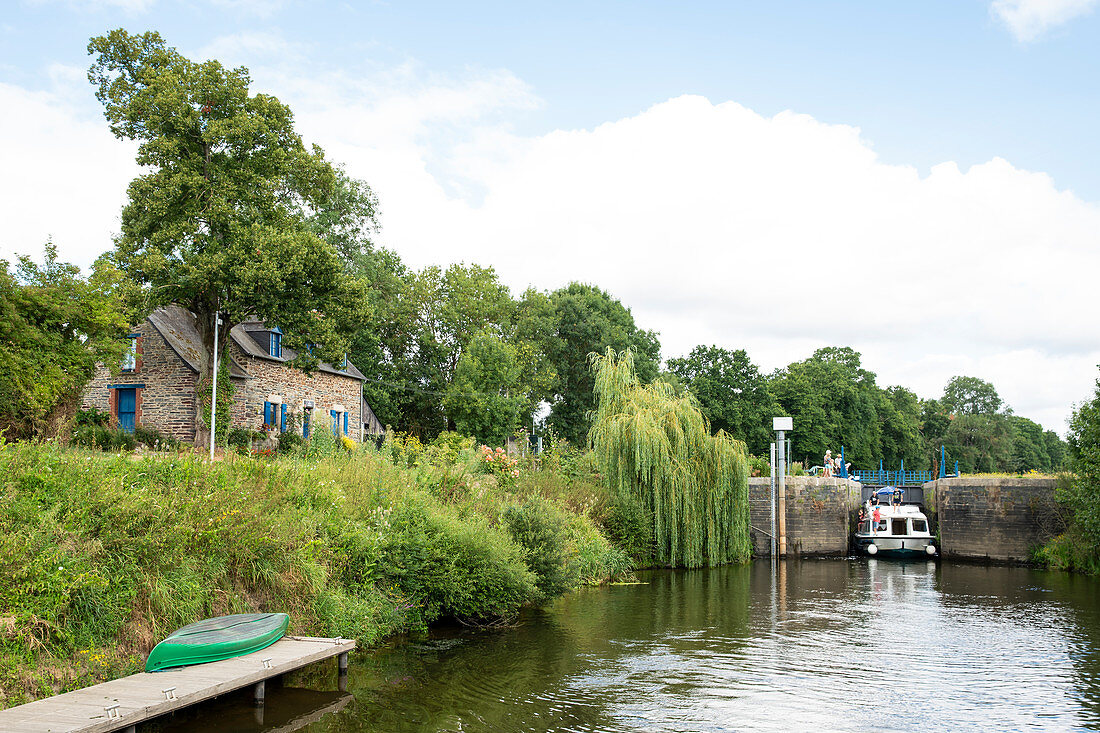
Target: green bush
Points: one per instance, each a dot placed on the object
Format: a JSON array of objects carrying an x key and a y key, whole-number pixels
[
  {"x": 240, "y": 439},
  {"x": 289, "y": 442},
  {"x": 627, "y": 525},
  {"x": 540, "y": 529},
  {"x": 92, "y": 416},
  {"x": 109, "y": 439},
  {"x": 155, "y": 439},
  {"x": 465, "y": 568}
]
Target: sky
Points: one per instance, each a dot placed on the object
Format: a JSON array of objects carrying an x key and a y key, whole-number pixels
[{"x": 918, "y": 181}]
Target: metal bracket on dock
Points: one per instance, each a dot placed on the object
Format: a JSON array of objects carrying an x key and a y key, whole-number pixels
[
  {"x": 169, "y": 693},
  {"x": 338, "y": 640},
  {"x": 112, "y": 712},
  {"x": 266, "y": 662}
]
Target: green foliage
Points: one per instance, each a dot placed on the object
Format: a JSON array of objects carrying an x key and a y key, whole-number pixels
[
  {"x": 732, "y": 393},
  {"x": 971, "y": 396},
  {"x": 1082, "y": 494},
  {"x": 54, "y": 327},
  {"x": 834, "y": 402},
  {"x": 289, "y": 442},
  {"x": 233, "y": 214},
  {"x": 583, "y": 320},
  {"x": 486, "y": 396},
  {"x": 104, "y": 555},
  {"x": 655, "y": 447},
  {"x": 240, "y": 439},
  {"x": 542, "y": 531}
]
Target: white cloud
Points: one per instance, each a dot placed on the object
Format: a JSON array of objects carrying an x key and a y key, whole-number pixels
[
  {"x": 780, "y": 235},
  {"x": 65, "y": 176},
  {"x": 1028, "y": 19},
  {"x": 713, "y": 223}
]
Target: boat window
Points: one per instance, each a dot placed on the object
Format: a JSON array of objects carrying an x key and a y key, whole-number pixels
[
  {"x": 919, "y": 525},
  {"x": 899, "y": 527},
  {"x": 881, "y": 525},
  {"x": 865, "y": 526}
]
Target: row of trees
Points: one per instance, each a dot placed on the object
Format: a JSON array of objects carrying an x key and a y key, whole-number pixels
[
  {"x": 235, "y": 215},
  {"x": 836, "y": 402}
]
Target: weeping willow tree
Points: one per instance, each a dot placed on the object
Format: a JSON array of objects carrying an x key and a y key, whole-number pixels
[{"x": 655, "y": 446}]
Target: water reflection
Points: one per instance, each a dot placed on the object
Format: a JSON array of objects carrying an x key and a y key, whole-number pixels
[{"x": 821, "y": 645}]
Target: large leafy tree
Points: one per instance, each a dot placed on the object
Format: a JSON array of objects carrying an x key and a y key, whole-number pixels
[
  {"x": 833, "y": 400},
  {"x": 230, "y": 215},
  {"x": 971, "y": 396},
  {"x": 581, "y": 320},
  {"x": 1083, "y": 492},
  {"x": 54, "y": 326},
  {"x": 487, "y": 396},
  {"x": 732, "y": 393}
]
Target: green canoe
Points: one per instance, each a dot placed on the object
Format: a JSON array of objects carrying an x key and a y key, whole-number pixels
[{"x": 219, "y": 638}]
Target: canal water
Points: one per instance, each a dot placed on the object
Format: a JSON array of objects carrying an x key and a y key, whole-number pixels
[{"x": 821, "y": 645}]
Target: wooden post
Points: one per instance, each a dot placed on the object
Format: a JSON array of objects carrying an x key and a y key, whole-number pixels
[
  {"x": 342, "y": 668},
  {"x": 258, "y": 693}
]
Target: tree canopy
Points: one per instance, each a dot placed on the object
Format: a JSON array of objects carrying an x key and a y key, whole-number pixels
[
  {"x": 654, "y": 447},
  {"x": 234, "y": 214},
  {"x": 732, "y": 393},
  {"x": 54, "y": 326}
]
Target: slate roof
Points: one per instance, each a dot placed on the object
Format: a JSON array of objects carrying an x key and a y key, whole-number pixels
[
  {"x": 178, "y": 327},
  {"x": 241, "y": 336}
]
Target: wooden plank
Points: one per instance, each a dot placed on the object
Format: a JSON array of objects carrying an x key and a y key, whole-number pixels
[{"x": 140, "y": 697}]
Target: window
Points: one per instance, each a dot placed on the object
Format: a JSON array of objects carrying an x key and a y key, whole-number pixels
[
  {"x": 275, "y": 345},
  {"x": 865, "y": 526},
  {"x": 898, "y": 527},
  {"x": 129, "y": 357},
  {"x": 919, "y": 525},
  {"x": 881, "y": 526}
]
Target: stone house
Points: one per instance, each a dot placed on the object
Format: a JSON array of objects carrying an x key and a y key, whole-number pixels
[{"x": 157, "y": 383}]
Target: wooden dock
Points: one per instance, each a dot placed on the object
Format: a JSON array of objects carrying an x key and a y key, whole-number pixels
[{"x": 121, "y": 704}]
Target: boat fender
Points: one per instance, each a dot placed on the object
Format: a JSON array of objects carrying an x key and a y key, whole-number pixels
[
  {"x": 872, "y": 549},
  {"x": 930, "y": 549}
]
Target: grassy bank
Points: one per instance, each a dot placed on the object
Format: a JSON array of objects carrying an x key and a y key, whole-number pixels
[{"x": 105, "y": 554}]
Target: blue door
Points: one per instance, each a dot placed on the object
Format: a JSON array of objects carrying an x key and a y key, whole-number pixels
[
  {"x": 305, "y": 423},
  {"x": 127, "y": 407}
]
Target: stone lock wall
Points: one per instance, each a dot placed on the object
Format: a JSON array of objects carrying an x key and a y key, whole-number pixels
[
  {"x": 817, "y": 513},
  {"x": 1000, "y": 518},
  {"x": 294, "y": 386},
  {"x": 166, "y": 397}
]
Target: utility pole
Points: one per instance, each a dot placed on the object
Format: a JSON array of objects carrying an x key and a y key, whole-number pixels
[
  {"x": 214, "y": 389},
  {"x": 781, "y": 425}
]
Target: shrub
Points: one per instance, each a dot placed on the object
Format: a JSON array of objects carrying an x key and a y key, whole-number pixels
[
  {"x": 627, "y": 525},
  {"x": 288, "y": 442},
  {"x": 96, "y": 436},
  {"x": 538, "y": 527},
  {"x": 92, "y": 416},
  {"x": 466, "y": 568},
  {"x": 241, "y": 439},
  {"x": 154, "y": 439}
]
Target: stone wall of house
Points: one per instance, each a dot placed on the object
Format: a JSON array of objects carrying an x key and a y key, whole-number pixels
[
  {"x": 817, "y": 513},
  {"x": 1000, "y": 518},
  {"x": 166, "y": 386},
  {"x": 294, "y": 387}
]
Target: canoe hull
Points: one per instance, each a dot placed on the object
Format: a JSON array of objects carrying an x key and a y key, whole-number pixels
[{"x": 216, "y": 639}]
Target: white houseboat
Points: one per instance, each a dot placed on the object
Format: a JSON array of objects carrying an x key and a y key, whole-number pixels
[{"x": 900, "y": 531}]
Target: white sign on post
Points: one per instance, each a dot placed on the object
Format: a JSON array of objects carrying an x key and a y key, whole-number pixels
[{"x": 782, "y": 423}]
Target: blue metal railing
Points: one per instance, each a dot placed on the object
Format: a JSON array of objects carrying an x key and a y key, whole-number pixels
[{"x": 901, "y": 477}]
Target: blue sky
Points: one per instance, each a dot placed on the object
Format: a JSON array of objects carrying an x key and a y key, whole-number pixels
[
  {"x": 927, "y": 82},
  {"x": 917, "y": 180}
]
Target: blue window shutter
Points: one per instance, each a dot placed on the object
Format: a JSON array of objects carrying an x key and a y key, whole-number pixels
[
  {"x": 282, "y": 418},
  {"x": 305, "y": 424},
  {"x": 335, "y": 422},
  {"x": 345, "y": 423},
  {"x": 268, "y": 420}
]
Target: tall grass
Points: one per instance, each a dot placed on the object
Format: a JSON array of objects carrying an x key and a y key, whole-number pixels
[{"x": 103, "y": 555}]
